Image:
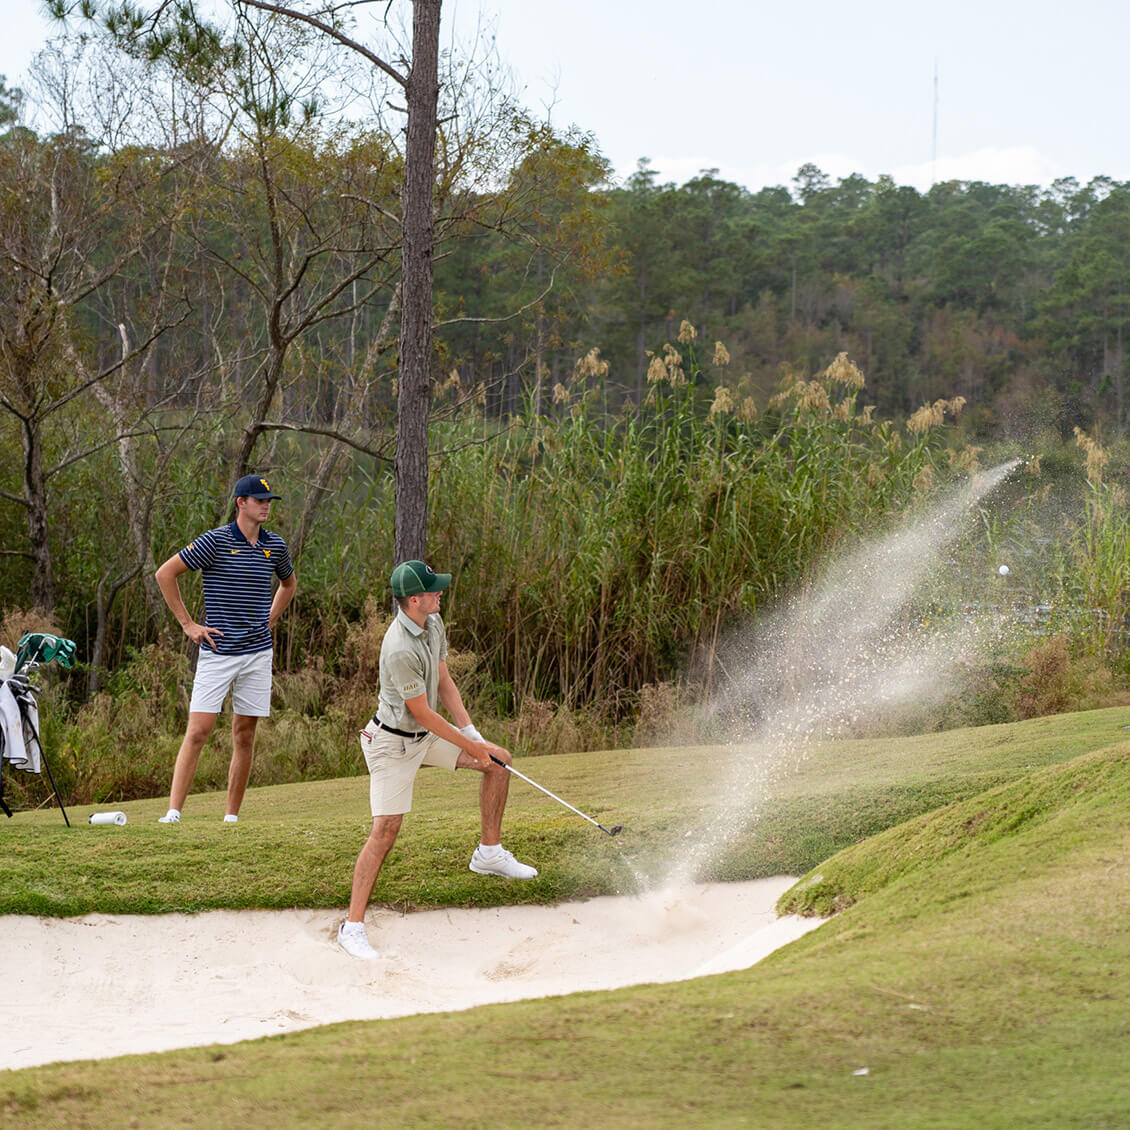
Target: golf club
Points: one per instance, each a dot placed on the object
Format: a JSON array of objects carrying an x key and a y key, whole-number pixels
[{"x": 615, "y": 830}]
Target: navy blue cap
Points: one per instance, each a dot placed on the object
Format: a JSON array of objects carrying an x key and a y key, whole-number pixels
[{"x": 253, "y": 486}]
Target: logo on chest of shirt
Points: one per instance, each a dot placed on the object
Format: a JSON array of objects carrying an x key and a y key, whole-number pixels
[{"x": 267, "y": 554}]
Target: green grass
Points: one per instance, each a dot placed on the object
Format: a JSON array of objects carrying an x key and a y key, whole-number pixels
[
  {"x": 295, "y": 844},
  {"x": 979, "y": 973},
  {"x": 1085, "y": 788}
]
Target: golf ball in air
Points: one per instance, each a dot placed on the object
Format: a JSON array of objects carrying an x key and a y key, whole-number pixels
[{"x": 1003, "y": 570}]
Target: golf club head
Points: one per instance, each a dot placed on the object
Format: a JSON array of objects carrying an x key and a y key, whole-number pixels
[{"x": 615, "y": 830}]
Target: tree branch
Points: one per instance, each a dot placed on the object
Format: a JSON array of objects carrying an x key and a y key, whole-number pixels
[
  {"x": 317, "y": 312},
  {"x": 17, "y": 498},
  {"x": 482, "y": 442},
  {"x": 67, "y": 397},
  {"x": 378, "y": 208},
  {"x": 333, "y": 33},
  {"x": 332, "y": 433},
  {"x": 81, "y": 455},
  {"x": 507, "y": 317}
]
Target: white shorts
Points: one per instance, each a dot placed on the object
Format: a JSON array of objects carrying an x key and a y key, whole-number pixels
[
  {"x": 393, "y": 761},
  {"x": 248, "y": 677}
]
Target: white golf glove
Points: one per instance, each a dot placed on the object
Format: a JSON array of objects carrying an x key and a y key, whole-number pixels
[{"x": 469, "y": 731}]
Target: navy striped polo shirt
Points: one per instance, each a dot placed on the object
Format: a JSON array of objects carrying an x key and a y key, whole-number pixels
[{"x": 237, "y": 585}]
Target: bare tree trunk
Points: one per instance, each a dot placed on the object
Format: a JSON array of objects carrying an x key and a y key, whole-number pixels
[
  {"x": 207, "y": 349},
  {"x": 539, "y": 344},
  {"x": 137, "y": 510},
  {"x": 352, "y": 420},
  {"x": 104, "y": 598},
  {"x": 641, "y": 340},
  {"x": 1119, "y": 379},
  {"x": 414, "y": 397},
  {"x": 272, "y": 370},
  {"x": 35, "y": 496},
  {"x": 356, "y": 317}
]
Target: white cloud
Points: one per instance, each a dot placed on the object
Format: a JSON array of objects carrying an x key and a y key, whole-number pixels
[
  {"x": 1022, "y": 164},
  {"x": 678, "y": 170}
]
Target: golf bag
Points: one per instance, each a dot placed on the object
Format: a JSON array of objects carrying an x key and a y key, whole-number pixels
[{"x": 19, "y": 710}]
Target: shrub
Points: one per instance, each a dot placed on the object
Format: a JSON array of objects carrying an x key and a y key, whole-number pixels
[
  {"x": 1055, "y": 681},
  {"x": 17, "y": 622},
  {"x": 302, "y": 691}
]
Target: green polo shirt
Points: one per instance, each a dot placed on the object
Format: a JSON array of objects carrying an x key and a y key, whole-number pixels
[{"x": 410, "y": 659}]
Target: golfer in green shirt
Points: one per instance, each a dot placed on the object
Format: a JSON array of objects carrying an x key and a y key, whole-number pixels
[{"x": 407, "y": 732}]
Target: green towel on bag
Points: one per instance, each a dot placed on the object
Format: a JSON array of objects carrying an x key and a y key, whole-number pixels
[{"x": 39, "y": 647}]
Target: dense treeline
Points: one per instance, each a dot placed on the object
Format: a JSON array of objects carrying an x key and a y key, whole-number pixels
[{"x": 1014, "y": 297}]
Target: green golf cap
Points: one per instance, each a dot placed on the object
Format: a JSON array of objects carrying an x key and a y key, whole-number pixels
[{"x": 410, "y": 578}]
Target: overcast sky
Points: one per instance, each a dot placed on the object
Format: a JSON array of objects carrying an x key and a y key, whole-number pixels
[{"x": 1027, "y": 91}]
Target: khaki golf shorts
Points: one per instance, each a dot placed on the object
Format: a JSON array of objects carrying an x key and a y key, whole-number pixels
[{"x": 393, "y": 761}]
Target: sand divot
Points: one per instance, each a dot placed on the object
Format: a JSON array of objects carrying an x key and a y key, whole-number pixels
[{"x": 108, "y": 985}]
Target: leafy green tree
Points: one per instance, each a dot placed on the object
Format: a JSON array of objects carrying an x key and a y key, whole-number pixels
[
  {"x": 641, "y": 297},
  {"x": 980, "y": 244},
  {"x": 887, "y": 229},
  {"x": 528, "y": 249},
  {"x": 11, "y": 99},
  {"x": 1086, "y": 311}
]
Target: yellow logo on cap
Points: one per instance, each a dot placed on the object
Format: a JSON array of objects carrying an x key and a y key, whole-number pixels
[{"x": 266, "y": 485}]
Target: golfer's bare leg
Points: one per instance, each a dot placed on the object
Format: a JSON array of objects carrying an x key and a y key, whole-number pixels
[
  {"x": 493, "y": 789},
  {"x": 200, "y": 726},
  {"x": 368, "y": 865},
  {"x": 243, "y": 749}
]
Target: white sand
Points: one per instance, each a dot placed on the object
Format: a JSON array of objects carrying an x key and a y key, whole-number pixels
[{"x": 99, "y": 986}]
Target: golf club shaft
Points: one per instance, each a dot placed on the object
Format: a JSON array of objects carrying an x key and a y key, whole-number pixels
[{"x": 543, "y": 789}]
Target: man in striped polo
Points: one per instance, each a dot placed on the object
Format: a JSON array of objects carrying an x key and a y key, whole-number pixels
[{"x": 237, "y": 564}]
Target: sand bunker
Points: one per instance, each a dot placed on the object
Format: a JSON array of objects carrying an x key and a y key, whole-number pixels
[{"x": 82, "y": 988}]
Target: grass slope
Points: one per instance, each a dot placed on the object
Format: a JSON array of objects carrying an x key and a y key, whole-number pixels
[
  {"x": 979, "y": 974},
  {"x": 295, "y": 844}
]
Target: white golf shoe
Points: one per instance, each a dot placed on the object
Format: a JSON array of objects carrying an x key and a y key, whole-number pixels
[
  {"x": 170, "y": 817},
  {"x": 351, "y": 937},
  {"x": 503, "y": 864}
]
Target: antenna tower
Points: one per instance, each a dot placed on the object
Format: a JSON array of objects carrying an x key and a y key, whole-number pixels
[{"x": 934, "y": 143}]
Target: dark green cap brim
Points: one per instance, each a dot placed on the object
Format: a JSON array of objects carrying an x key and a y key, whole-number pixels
[{"x": 411, "y": 578}]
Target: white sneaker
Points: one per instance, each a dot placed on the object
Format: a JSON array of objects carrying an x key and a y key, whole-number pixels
[
  {"x": 231, "y": 818},
  {"x": 170, "y": 817},
  {"x": 354, "y": 941},
  {"x": 503, "y": 864}
]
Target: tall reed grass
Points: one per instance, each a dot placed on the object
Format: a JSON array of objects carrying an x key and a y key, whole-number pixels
[
  {"x": 593, "y": 558},
  {"x": 1095, "y": 574}
]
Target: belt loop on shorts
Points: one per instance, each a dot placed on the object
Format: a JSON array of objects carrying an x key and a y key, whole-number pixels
[{"x": 399, "y": 733}]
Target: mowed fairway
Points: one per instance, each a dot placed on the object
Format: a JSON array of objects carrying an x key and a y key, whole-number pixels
[{"x": 979, "y": 973}]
